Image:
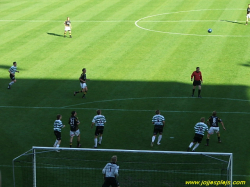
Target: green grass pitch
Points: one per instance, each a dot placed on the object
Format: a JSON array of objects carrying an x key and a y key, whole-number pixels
[{"x": 134, "y": 70}]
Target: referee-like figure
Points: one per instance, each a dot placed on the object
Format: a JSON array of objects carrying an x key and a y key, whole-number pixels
[
  {"x": 110, "y": 172},
  {"x": 197, "y": 81}
]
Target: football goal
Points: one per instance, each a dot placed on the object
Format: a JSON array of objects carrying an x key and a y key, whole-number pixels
[{"x": 82, "y": 167}]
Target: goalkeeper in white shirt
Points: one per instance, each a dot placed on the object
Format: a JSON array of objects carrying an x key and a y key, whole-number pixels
[{"x": 110, "y": 172}]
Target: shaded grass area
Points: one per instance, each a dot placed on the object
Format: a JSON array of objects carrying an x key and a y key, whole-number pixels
[{"x": 128, "y": 107}]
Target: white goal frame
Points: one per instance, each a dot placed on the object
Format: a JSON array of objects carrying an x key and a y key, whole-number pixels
[{"x": 35, "y": 148}]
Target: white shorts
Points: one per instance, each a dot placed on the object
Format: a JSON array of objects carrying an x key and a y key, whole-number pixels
[
  {"x": 213, "y": 129},
  {"x": 248, "y": 16},
  {"x": 74, "y": 133},
  {"x": 83, "y": 85},
  {"x": 67, "y": 28}
]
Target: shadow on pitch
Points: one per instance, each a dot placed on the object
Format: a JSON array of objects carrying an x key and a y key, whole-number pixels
[
  {"x": 54, "y": 34},
  {"x": 246, "y": 64},
  {"x": 233, "y": 22},
  {"x": 8, "y": 67}
]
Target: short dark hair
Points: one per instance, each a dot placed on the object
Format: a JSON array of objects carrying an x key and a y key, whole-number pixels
[
  {"x": 114, "y": 159},
  {"x": 157, "y": 111},
  {"x": 98, "y": 111},
  {"x": 14, "y": 63},
  {"x": 197, "y": 67},
  {"x": 73, "y": 112},
  {"x": 214, "y": 113},
  {"x": 58, "y": 116},
  {"x": 83, "y": 69},
  {"x": 202, "y": 119}
]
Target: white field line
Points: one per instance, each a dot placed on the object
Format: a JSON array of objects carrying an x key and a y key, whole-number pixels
[
  {"x": 185, "y": 34},
  {"x": 81, "y": 21},
  {"x": 114, "y": 21},
  {"x": 133, "y": 110},
  {"x": 111, "y": 100}
]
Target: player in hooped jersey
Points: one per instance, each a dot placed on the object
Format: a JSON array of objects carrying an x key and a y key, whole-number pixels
[
  {"x": 68, "y": 27},
  {"x": 197, "y": 81},
  {"x": 83, "y": 84},
  {"x": 213, "y": 121},
  {"x": 99, "y": 121},
  {"x": 57, "y": 130},
  {"x": 110, "y": 172},
  {"x": 199, "y": 130},
  {"x": 159, "y": 122},
  {"x": 12, "y": 71},
  {"x": 74, "y": 129},
  {"x": 248, "y": 13}
]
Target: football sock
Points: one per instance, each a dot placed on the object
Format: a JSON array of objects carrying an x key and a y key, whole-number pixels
[
  {"x": 207, "y": 141},
  {"x": 191, "y": 144},
  {"x": 153, "y": 138},
  {"x": 100, "y": 139},
  {"x": 218, "y": 138},
  {"x": 95, "y": 140},
  {"x": 193, "y": 91},
  {"x": 76, "y": 92},
  {"x": 55, "y": 143},
  {"x": 159, "y": 138},
  {"x": 12, "y": 82},
  {"x": 196, "y": 145},
  {"x": 78, "y": 143},
  {"x": 70, "y": 144},
  {"x": 199, "y": 92}
]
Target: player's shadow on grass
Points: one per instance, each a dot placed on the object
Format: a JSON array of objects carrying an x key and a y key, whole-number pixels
[
  {"x": 8, "y": 67},
  {"x": 233, "y": 22},
  {"x": 54, "y": 34},
  {"x": 246, "y": 64}
]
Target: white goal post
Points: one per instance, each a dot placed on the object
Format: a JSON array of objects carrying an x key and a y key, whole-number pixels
[{"x": 170, "y": 167}]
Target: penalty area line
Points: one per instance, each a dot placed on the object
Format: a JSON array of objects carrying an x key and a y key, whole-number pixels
[{"x": 122, "y": 110}]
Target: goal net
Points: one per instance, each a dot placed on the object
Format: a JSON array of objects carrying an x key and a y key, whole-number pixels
[{"x": 82, "y": 167}]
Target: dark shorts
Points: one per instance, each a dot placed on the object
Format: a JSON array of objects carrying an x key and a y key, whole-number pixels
[
  {"x": 196, "y": 83},
  {"x": 110, "y": 181},
  {"x": 158, "y": 129},
  {"x": 198, "y": 138},
  {"x": 12, "y": 77},
  {"x": 58, "y": 135},
  {"x": 99, "y": 130}
]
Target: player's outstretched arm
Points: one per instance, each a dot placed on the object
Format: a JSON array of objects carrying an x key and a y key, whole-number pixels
[{"x": 223, "y": 125}]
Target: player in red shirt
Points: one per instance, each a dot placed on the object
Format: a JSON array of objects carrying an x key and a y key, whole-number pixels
[{"x": 197, "y": 81}]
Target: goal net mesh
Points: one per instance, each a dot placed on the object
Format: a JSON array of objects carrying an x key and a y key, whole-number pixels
[{"x": 83, "y": 167}]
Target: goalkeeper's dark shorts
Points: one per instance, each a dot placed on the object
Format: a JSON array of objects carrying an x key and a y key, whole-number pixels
[
  {"x": 110, "y": 181},
  {"x": 197, "y": 138}
]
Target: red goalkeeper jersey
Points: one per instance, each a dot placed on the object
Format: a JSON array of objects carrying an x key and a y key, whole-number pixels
[{"x": 197, "y": 76}]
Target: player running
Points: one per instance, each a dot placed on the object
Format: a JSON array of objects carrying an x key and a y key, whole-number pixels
[
  {"x": 83, "y": 84},
  {"x": 199, "y": 129},
  {"x": 214, "y": 127},
  {"x": 68, "y": 27},
  {"x": 110, "y": 172},
  {"x": 12, "y": 71},
  {"x": 197, "y": 81},
  {"x": 99, "y": 121},
  {"x": 248, "y": 13},
  {"x": 74, "y": 129},
  {"x": 159, "y": 122}
]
